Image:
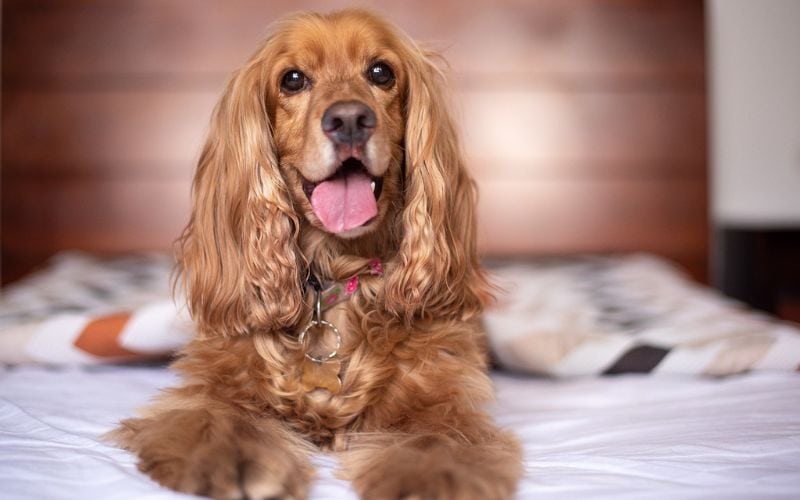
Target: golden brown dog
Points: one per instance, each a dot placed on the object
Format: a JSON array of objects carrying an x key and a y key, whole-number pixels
[{"x": 331, "y": 161}]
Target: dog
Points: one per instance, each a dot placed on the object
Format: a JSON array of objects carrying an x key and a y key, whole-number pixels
[{"x": 331, "y": 271}]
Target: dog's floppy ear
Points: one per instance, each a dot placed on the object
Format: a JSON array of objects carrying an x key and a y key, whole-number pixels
[
  {"x": 238, "y": 256},
  {"x": 437, "y": 273}
]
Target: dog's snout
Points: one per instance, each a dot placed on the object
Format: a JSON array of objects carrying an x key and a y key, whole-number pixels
[{"x": 349, "y": 122}]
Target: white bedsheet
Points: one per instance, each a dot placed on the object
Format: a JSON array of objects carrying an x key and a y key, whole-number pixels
[{"x": 630, "y": 436}]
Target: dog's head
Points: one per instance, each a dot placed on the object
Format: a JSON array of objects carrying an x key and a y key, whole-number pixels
[
  {"x": 336, "y": 126},
  {"x": 337, "y": 114}
]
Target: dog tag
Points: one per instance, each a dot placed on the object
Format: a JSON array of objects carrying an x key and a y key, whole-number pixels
[
  {"x": 325, "y": 375},
  {"x": 320, "y": 370}
]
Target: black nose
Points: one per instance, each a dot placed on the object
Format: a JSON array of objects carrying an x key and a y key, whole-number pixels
[{"x": 349, "y": 122}]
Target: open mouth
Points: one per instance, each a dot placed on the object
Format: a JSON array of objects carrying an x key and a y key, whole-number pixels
[{"x": 347, "y": 199}]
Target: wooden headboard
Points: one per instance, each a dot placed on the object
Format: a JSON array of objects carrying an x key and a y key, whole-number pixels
[{"x": 584, "y": 120}]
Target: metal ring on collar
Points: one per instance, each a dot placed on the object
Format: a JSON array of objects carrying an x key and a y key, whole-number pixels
[{"x": 326, "y": 324}]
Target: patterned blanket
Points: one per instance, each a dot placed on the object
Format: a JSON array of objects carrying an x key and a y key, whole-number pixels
[{"x": 562, "y": 317}]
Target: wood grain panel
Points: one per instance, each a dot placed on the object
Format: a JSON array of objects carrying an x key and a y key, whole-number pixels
[
  {"x": 517, "y": 216},
  {"x": 543, "y": 133},
  {"x": 98, "y": 214},
  {"x": 667, "y": 217},
  {"x": 588, "y": 42},
  {"x": 104, "y": 133},
  {"x": 608, "y": 215},
  {"x": 584, "y": 120},
  {"x": 603, "y": 127}
]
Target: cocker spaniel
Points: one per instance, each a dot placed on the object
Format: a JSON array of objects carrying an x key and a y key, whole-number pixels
[{"x": 330, "y": 268}]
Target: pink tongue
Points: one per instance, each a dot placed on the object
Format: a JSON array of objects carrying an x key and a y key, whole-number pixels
[{"x": 344, "y": 202}]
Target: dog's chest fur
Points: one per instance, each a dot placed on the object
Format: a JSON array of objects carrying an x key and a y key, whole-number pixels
[{"x": 324, "y": 416}]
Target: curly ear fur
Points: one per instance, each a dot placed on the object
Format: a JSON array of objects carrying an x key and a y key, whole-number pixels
[
  {"x": 238, "y": 256},
  {"x": 437, "y": 273}
]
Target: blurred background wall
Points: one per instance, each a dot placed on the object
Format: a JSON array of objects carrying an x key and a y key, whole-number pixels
[
  {"x": 584, "y": 120},
  {"x": 755, "y": 132}
]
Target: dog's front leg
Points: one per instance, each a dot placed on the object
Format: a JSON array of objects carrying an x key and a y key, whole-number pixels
[
  {"x": 481, "y": 462},
  {"x": 208, "y": 448}
]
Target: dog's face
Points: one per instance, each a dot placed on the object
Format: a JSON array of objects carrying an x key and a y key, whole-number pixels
[
  {"x": 336, "y": 102},
  {"x": 332, "y": 145}
]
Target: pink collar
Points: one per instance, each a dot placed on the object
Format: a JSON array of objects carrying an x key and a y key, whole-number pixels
[{"x": 333, "y": 292}]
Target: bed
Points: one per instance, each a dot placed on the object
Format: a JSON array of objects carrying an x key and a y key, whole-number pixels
[{"x": 680, "y": 426}]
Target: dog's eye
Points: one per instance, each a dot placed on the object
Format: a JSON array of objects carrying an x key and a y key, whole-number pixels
[
  {"x": 381, "y": 74},
  {"x": 293, "y": 81}
]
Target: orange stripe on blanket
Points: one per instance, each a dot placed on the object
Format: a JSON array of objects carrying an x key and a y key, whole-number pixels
[{"x": 101, "y": 338}]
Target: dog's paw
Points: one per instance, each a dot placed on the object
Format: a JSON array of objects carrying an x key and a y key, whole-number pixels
[
  {"x": 438, "y": 470},
  {"x": 194, "y": 452},
  {"x": 446, "y": 481},
  {"x": 233, "y": 470}
]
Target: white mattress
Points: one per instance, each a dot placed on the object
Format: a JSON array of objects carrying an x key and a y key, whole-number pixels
[{"x": 629, "y": 436}]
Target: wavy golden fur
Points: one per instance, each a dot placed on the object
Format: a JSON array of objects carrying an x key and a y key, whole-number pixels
[{"x": 408, "y": 420}]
